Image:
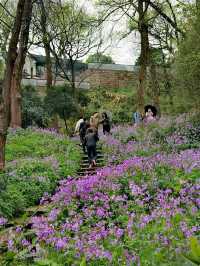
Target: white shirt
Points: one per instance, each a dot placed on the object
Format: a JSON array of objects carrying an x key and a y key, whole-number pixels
[{"x": 77, "y": 127}]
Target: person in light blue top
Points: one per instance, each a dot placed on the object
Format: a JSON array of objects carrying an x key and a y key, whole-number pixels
[{"x": 137, "y": 118}]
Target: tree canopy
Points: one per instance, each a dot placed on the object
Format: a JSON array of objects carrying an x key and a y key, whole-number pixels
[{"x": 100, "y": 58}]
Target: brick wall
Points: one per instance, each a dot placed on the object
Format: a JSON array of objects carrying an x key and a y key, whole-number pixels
[{"x": 109, "y": 78}]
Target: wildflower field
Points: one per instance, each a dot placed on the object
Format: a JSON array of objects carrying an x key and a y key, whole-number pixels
[{"x": 142, "y": 208}]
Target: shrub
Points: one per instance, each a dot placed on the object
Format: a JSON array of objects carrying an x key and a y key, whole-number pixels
[{"x": 33, "y": 112}]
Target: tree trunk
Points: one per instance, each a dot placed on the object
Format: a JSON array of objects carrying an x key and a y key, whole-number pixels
[
  {"x": 167, "y": 82},
  {"x": 16, "y": 119},
  {"x": 5, "y": 99},
  {"x": 46, "y": 43},
  {"x": 65, "y": 120},
  {"x": 55, "y": 122},
  {"x": 155, "y": 88},
  {"x": 168, "y": 87},
  {"x": 15, "y": 102},
  {"x": 2, "y": 151},
  {"x": 144, "y": 54},
  {"x": 73, "y": 78}
]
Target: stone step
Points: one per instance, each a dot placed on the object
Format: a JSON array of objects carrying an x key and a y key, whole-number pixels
[
  {"x": 89, "y": 173},
  {"x": 98, "y": 156},
  {"x": 86, "y": 163},
  {"x": 85, "y": 154},
  {"x": 37, "y": 210}
]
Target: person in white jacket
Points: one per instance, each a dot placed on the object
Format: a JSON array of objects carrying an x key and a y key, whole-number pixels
[{"x": 77, "y": 127}]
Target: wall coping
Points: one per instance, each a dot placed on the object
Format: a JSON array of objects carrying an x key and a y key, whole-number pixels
[{"x": 116, "y": 67}]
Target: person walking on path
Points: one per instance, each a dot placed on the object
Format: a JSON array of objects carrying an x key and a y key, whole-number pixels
[
  {"x": 91, "y": 139},
  {"x": 77, "y": 127},
  {"x": 95, "y": 120},
  {"x": 106, "y": 123},
  {"x": 82, "y": 132}
]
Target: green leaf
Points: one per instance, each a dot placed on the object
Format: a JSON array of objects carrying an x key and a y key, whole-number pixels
[
  {"x": 83, "y": 262},
  {"x": 195, "y": 249}
]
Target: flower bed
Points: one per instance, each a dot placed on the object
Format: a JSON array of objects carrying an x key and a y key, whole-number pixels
[{"x": 143, "y": 210}]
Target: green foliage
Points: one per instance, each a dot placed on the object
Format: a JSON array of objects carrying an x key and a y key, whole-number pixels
[
  {"x": 36, "y": 160},
  {"x": 187, "y": 62},
  {"x": 59, "y": 100},
  {"x": 33, "y": 112},
  {"x": 119, "y": 104},
  {"x": 100, "y": 58},
  {"x": 194, "y": 255},
  {"x": 155, "y": 57}
]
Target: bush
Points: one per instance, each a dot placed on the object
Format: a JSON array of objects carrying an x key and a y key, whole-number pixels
[
  {"x": 33, "y": 112},
  {"x": 120, "y": 104},
  {"x": 60, "y": 100}
]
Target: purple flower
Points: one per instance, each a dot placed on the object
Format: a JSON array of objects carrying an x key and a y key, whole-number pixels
[
  {"x": 18, "y": 229},
  {"x": 100, "y": 212},
  {"x": 10, "y": 245},
  {"x": 53, "y": 215},
  {"x": 61, "y": 243},
  {"x": 119, "y": 232},
  {"x": 3, "y": 221},
  {"x": 25, "y": 243}
]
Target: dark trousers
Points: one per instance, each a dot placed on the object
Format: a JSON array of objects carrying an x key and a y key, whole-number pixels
[
  {"x": 106, "y": 129},
  {"x": 92, "y": 153},
  {"x": 82, "y": 139}
]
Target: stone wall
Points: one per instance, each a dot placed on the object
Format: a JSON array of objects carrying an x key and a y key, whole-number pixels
[{"x": 109, "y": 78}]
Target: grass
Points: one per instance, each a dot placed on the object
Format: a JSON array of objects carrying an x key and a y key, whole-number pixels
[{"x": 35, "y": 161}]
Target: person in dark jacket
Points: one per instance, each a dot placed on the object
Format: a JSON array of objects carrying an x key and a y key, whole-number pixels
[
  {"x": 91, "y": 139},
  {"x": 82, "y": 132},
  {"x": 106, "y": 123}
]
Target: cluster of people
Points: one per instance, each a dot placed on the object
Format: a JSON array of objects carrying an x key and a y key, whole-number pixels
[
  {"x": 88, "y": 132},
  {"x": 88, "y": 129},
  {"x": 150, "y": 115}
]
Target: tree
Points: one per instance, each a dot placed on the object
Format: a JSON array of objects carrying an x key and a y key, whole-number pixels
[
  {"x": 69, "y": 35},
  {"x": 7, "y": 12},
  {"x": 187, "y": 60},
  {"x": 46, "y": 41},
  {"x": 140, "y": 14},
  {"x": 9, "y": 69},
  {"x": 73, "y": 35},
  {"x": 16, "y": 119},
  {"x": 59, "y": 101},
  {"x": 100, "y": 58}
]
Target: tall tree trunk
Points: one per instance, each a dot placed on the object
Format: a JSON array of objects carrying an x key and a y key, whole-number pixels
[
  {"x": 168, "y": 86},
  {"x": 5, "y": 99},
  {"x": 155, "y": 88},
  {"x": 167, "y": 81},
  {"x": 16, "y": 119},
  {"x": 46, "y": 43},
  {"x": 64, "y": 118},
  {"x": 144, "y": 54},
  {"x": 73, "y": 77}
]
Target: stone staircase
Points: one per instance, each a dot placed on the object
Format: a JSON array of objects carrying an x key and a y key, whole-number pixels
[{"x": 84, "y": 166}]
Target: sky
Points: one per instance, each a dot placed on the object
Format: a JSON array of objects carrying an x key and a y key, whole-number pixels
[{"x": 122, "y": 52}]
